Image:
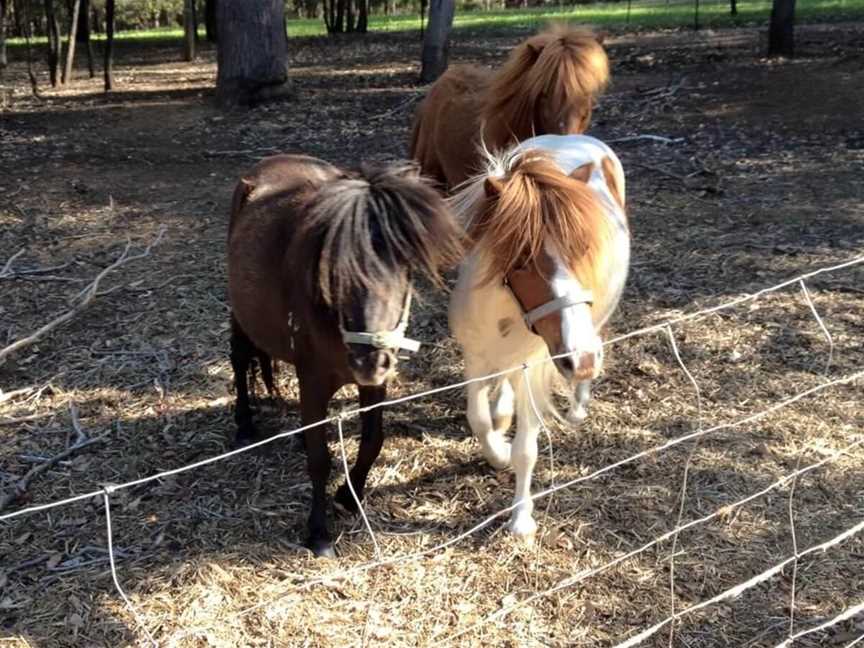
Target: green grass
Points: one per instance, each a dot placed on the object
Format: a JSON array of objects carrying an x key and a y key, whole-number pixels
[{"x": 641, "y": 16}]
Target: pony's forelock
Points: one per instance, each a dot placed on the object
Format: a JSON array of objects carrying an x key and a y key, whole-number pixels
[
  {"x": 369, "y": 225},
  {"x": 536, "y": 200}
]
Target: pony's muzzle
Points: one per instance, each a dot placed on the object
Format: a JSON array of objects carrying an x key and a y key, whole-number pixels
[
  {"x": 579, "y": 366},
  {"x": 371, "y": 366}
]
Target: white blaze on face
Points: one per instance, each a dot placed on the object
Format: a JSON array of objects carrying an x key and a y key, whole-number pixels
[{"x": 578, "y": 334}]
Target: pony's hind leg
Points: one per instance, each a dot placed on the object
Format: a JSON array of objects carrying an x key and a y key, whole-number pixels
[
  {"x": 242, "y": 355},
  {"x": 266, "y": 363},
  {"x": 495, "y": 447}
]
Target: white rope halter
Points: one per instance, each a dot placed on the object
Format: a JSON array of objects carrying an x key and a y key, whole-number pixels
[{"x": 394, "y": 339}]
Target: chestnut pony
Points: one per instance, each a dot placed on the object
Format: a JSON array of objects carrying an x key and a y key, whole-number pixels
[
  {"x": 548, "y": 85},
  {"x": 549, "y": 259},
  {"x": 320, "y": 263}
]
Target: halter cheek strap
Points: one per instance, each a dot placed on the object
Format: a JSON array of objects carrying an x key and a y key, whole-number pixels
[{"x": 394, "y": 339}]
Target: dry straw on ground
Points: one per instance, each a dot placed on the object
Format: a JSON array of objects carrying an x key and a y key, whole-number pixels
[{"x": 764, "y": 184}]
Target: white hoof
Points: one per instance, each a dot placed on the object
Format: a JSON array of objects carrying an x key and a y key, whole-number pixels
[
  {"x": 577, "y": 414},
  {"x": 497, "y": 450},
  {"x": 523, "y": 527}
]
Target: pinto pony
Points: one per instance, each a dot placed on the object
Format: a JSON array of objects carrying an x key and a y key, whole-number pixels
[
  {"x": 320, "y": 263},
  {"x": 548, "y": 263},
  {"x": 548, "y": 85}
]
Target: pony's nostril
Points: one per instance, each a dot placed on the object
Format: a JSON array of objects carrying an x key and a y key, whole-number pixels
[
  {"x": 586, "y": 362},
  {"x": 385, "y": 361},
  {"x": 566, "y": 364}
]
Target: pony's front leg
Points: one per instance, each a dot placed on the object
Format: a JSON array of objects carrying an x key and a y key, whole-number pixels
[
  {"x": 495, "y": 447},
  {"x": 524, "y": 456},
  {"x": 315, "y": 394},
  {"x": 371, "y": 442},
  {"x": 579, "y": 403}
]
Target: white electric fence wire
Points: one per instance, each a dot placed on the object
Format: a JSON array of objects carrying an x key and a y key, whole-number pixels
[
  {"x": 822, "y": 326},
  {"x": 106, "y": 494},
  {"x": 843, "y": 616},
  {"x": 685, "y": 477},
  {"x": 436, "y": 390},
  {"x": 722, "y": 512},
  {"x": 742, "y": 587},
  {"x": 794, "y": 585},
  {"x": 354, "y": 492}
]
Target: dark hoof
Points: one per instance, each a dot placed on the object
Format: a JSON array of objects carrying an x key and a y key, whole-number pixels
[
  {"x": 322, "y": 548},
  {"x": 243, "y": 439},
  {"x": 344, "y": 499},
  {"x": 298, "y": 443}
]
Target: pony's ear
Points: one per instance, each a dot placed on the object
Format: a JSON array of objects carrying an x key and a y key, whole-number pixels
[
  {"x": 612, "y": 180},
  {"x": 600, "y": 37},
  {"x": 493, "y": 187},
  {"x": 583, "y": 173}
]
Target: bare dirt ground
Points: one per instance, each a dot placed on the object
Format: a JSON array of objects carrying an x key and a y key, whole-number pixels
[{"x": 768, "y": 182}]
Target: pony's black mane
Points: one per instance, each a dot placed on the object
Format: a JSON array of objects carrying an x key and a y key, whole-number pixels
[{"x": 366, "y": 227}]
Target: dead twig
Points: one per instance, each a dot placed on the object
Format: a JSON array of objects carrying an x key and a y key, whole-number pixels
[
  {"x": 652, "y": 138},
  {"x": 85, "y": 298},
  {"x": 20, "y": 487},
  {"x": 7, "y": 269}
]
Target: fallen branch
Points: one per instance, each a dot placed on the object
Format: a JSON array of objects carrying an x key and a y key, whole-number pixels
[
  {"x": 20, "y": 487},
  {"x": 7, "y": 269},
  {"x": 86, "y": 297}
]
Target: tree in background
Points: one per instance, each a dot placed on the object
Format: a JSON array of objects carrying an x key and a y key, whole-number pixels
[
  {"x": 210, "y": 20},
  {"x": 73, "y": 38},
  {"x": 252, "y": 55},
  {"x": 82, "y": 35},
  {"x": 190, "y": 29},
  {"x": 436, "y": 40},
  {"x": 781, "y": 32},
  {"x": 3, "y": 16},
  {"x": 55, "y": 46},
  {"x": 109, "y": 45}
]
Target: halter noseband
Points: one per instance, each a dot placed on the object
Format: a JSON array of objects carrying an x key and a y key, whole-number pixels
[
  {"x": 394, "y": 339},
  {"x": 531, "y": 317}
]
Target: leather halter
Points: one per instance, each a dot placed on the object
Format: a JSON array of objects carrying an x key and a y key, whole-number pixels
[
  {"x": 531, "y": 317},
  {"x": 394, "y": 339}
]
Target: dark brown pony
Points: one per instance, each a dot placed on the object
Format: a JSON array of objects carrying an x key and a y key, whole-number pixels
[
  {"x": 320, "y": 263},
  {"x": 547, "y": 86}
]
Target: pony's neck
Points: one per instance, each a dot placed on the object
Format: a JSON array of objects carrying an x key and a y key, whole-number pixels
[{"x": 499, "y": 132}]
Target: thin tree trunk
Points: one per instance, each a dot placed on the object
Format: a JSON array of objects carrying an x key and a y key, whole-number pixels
[
  {"x": 109, "y": 45},
  {"x": 781, "y": 34},
  {"x": 436, "y": 41},
  {"x": 24, "y": 15},
  {"x": 84, "y": 35},
  {"x": 3, "y": 17},
  {"x": 733, "y": 7},
  {"x": 210, "y": 20},
  {"x": 54, "y": 44},
  {"x": 349, "y": 16},
  {"x": 73, "y": 37},
  {"x": 188, "y": 30},
  {"x": 252, "y": 57},
  {"x": 339, "y": 24},
  {"x": 362, "y": 16}
]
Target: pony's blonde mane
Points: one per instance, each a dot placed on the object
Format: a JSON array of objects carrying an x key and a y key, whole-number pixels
[
  {"x": 564, "y": 65},
  {"x": 533, "y": 199}
]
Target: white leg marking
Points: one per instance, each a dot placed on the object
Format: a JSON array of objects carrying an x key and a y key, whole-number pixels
[
  {"x": 495, "y": 448},
  {"x": 502, "y": 409},
  {"x": 524, "y": 456},
  {"x": 578, "y": 408}
]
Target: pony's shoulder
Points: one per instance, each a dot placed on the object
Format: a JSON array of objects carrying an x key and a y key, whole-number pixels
[
  {"x": 284, "y": 172},
  {"x": 570, "y": 151}
]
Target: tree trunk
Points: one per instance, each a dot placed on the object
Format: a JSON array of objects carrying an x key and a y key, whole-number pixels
[
  {"x": 781, "y": 34},
  {"x": 436, "y": 40},
  {"x": 733, "y": 7},
  {"x": 349, "y": 15},
  {"x": 339, "y": 25},
  {"x": 109, "y": 45},
  {"x": 83, "y": 36},
  {"x": 362, "y": 16},
  {"x": 73, "y": 38},
  {"x": 3, "y": 60},
  {"x": 252, "y": 57},
  {"x": 210, "y": 20},
  {"x": 55, "y": 52},
  {"x": 189, "y": 30}
]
